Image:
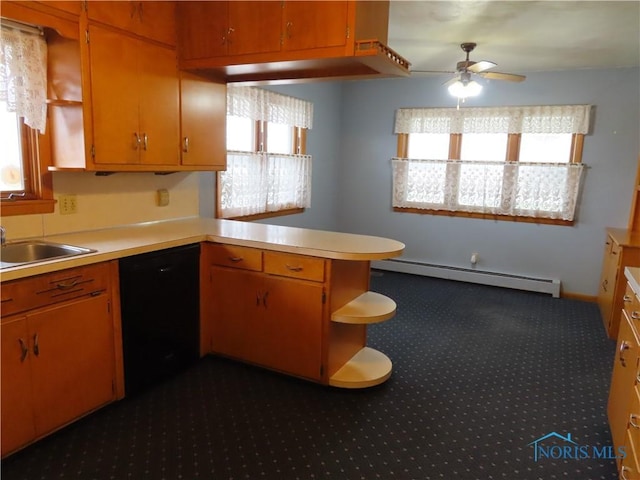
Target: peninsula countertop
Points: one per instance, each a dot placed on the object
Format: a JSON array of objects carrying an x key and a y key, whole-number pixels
[{"x": 118, "y": 242}]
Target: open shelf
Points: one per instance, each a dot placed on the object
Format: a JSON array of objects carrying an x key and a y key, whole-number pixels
[
  {"x": 366, "y": 368},
  {"x": 370, "y": 307}
]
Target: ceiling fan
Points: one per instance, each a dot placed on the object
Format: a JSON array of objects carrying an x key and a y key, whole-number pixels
[{"x": 462, "y": 84}]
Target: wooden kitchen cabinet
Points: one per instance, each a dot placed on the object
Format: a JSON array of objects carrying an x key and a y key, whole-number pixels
[
  {"x": 58, "y": 354},
  {"x": 203, "y": 119},
  {"x": 298, "y": 314},
  {"x": 154, "y": 20},
  {"x": 134, "y": 99},
  {"x": 308, "y": 25},
  {"x": 622, "y": 249}
]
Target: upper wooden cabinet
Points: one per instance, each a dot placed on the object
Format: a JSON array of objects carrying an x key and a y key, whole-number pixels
[
  {"x": 134, "y": 100},
  {"x": 150, "y": 19},
  {"x": 253, "y": 40}
]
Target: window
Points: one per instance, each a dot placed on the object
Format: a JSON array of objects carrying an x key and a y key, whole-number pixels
[
  {"x": 268, "y": 172},
  {"x": 25, "y": 184},
  {"x": 507, "y": 163}
]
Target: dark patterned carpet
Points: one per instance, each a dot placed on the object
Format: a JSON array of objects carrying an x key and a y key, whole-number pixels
[{"x": 479, "y": 373}]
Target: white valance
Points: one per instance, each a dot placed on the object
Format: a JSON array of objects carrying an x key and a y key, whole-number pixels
[
  {"x": 542, "y": 190},
  {"x": 512, "y": 119},
  {"x": 23, "y": 76},
  {"x": 265, "y": 105}
]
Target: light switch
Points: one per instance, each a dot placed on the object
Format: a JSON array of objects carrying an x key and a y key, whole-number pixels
[{"x": 163, "y": 197}]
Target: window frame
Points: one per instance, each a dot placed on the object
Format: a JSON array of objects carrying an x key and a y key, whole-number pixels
[
  {"x": 512, "y": 155},
  {"x": 261, "y": 140}
]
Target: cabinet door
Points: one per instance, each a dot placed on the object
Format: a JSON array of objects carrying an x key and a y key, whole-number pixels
[
  {"x": 151, "y": 19},
  {"x": 289, "y": 337},
  {"x": 159, "y": 104},
  {"x": 73, "y": 361},
  {"x": 114, "y": 96},
  {"x": 203, "y": 116},
  {"x": 202, "y": 29},
  {"x": 235, "y": 304},
  {"x": 254, "y": 27},
  {"x": 625, "y": 369},
  {"x": 311, "y": 24},
  {"x": 17, "y": 407}
]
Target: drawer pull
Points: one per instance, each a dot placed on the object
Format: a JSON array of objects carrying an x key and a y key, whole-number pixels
[
  {"x": 24, "y": 350},
  {"x": 635, "y": 315},
  {"x": 632, "y": 418},
  {"x": 623, "y": 472},
  {"x": 67, "y": 285},
  {"x": 626, "y": 298},
  {"x": 235, "y": 259},
  {"x": 36, "y": 345},
  {"x": 623, "y": 346},
  {"x": 264, "y": 299},
  {"x": 294, "y": 269}
]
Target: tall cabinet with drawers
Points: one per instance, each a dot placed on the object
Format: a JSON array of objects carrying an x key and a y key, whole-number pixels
[{"x": 301, "y": 315}]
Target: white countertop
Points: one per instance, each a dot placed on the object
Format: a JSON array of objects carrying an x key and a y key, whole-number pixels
[
  {"x": 633, "y": 276},
  {"x": 120, "y": 242}
]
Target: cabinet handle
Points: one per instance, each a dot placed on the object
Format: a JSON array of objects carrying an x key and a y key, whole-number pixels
[
  {"x": 264, "y": 299},
  {"x": 228, "y": 37},
  {"x": 632, "y": 419},
  {"x": 133, "y": 10},
  {"x": 235, "y": 259},
  {"x": 67, "y": 285},
  {"x": 24, "y": 350},
  {"x": 623, "y": 346},
  {"x": 623, "y": 470},
  {"x": 289, "y": 25},
  {"x": 626, "y": 298},
  {"x": 257, "y": 299},
  {"x": 294, "y": 269},
  {"x": 145, "y": 141},
  {"x": 185, "y": 144},
  {"x": 140, "y": 4},
  {"x": 635, "y": 315},
  {"x": 36, "y": 345},
  {"x": 136, "y": 144}
]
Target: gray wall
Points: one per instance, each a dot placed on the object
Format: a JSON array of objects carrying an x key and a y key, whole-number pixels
[
  {"x": 571, "y": 254},
  {"x": 352, "y": 142}
]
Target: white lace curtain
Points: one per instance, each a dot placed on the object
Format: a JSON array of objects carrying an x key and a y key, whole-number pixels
[
  {"x": 519, "y": 119},
  {"x": 262, "y": 182},
  {"x": 264, "y": 105},
  {"x": 541, "y": 190},
  {"x": 23, "y": 76},
  {"x": 257, "y": 183}
]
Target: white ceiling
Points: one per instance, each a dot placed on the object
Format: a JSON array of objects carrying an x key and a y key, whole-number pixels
[{"x": 520, "y": 36}]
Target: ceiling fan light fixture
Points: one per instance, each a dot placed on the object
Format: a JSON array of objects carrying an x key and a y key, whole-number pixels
[{"x": 461, "y": 89}]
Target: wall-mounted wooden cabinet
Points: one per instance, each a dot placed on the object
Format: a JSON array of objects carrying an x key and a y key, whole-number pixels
[
  {"x": 253, "y": 40},
  {"x": 155, "y": 20}
]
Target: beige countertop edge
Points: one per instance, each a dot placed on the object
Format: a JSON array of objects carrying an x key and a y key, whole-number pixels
[
  {"x": 633, "y": 276},
  {"x": 121, "y": 242}
]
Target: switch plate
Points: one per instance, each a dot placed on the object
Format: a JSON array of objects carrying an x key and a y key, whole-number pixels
[
  {"x": 68, "y": 204},
  {"x": 163, "y": 197}
]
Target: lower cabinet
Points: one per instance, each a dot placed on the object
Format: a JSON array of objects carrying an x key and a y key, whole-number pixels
[
  {"x": 58, "y": 361},
  {"x": 297, "y": 314}
]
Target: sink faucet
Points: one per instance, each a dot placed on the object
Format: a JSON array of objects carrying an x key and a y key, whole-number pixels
[{"x": 3, "y": 235}]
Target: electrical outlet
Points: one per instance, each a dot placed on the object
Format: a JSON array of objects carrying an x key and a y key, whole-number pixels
[
  {"x": 163, "y": 197},
  {"x": 68, "y": 204}
]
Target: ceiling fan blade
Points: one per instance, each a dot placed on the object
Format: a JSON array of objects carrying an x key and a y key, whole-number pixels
[
  {"x": 451, "y": 81},
  {"x": 511, "y": 77},
  {"x": 480, "y": 66}
]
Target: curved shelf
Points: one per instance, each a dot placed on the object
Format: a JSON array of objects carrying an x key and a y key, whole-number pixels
[
  {"x": 367, "y": 368},
  {"x": 370, "y": 307}
]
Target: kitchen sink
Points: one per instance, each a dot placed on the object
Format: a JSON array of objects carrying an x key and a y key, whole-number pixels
[{"x": 33, "y": 251}]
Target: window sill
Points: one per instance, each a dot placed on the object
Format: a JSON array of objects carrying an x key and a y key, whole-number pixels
[
  {"x": 260, "y": 216},
  {"x": 486, "y": 216},
  {"x": 26, "y": 207}
]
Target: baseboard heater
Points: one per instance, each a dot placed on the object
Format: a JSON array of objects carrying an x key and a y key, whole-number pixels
[{"x": 543, "y": 285}]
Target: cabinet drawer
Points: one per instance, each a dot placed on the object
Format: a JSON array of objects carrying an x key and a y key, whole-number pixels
[
  {"x": 631, "y": 307},
  {"x": 295, "y": 266},
  {"x": 234, "y": 256},
  {"x": 50, "y": 288}
]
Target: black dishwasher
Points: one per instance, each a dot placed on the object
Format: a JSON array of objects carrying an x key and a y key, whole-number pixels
[{"x": 159, "y": 295}]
